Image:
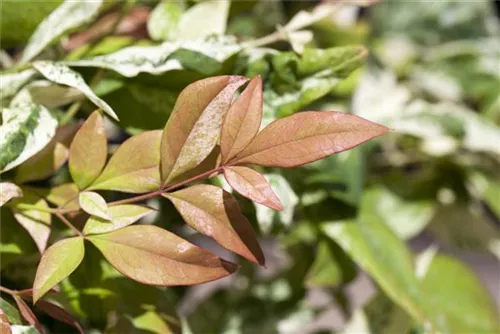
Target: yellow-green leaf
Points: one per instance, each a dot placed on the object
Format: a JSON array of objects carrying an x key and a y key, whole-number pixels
[
  {"x": 93, "y": 204},
  {"x": 120, "y": 216}
]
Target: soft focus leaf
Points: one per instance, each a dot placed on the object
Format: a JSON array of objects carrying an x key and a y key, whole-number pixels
[
  {"x": 69, "y": 15},
  {"x": 88, "y": 151},
  {"x": 151, "y": 255},
  {"x": 28, "y": 314},
  {"x": 134, "y": 167},
  {"x": 242, "y": 120},
  {"x": 194, "y": 126},
  {"x": 9, "y": 191},
  {"x": 25, "y": 329},
  {"x": 4, "y": 323},
  {"x": 93, "y": 203},
  {"x": 119, "y": 216},
  {"x": 25, "y": 131},
  {"x": 46, "y": 93},
  {"x": 252, "y": 185},
  {"x": 306, "y": 137},
  {"x": 215, "y": 213},
  {"x": 193, "y": 23},
  {"x": 11, "y": 83},
  {"x": 57, "y": 263},
  {"x": 64, "y": 75},
  {"x": 10, "y": 311},
  {"x": 59, "y": 313},
  {"x": 164, "y": 20}
]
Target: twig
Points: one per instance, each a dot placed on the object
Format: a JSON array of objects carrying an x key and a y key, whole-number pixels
[{"x": 68, "y": 224}]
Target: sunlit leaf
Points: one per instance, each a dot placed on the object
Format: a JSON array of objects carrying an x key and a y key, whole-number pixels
[
  {"x": 194, "y": 126},
  {"x": 252, "y": 185},
  {"x": 242, "y": 120},
  {"x": 8, "y": 191},
  {"x": 28, "y": 314},
  {"x": 88, "y": 151},
  {"x": 59, "y": 313},
  {"x": 119, "y": 217},
  {"x": 306, "y": 137},
  {"x": 57, "y": 263},
  {"x": 193, "y": 23},
  {"x": 210, "y": 163},
  {"x": 164, "y": 20},
  {"x": 134, "y": 167},
  {"x": 93, "y": 203},
  {"x": 64, "y": 75},
  {"x": 151, "y": 255},
  {"x": 215, "y": 213}
]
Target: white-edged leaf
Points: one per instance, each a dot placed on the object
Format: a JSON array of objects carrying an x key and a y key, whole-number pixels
[
  {"x": 204, "y": 19},
  {"x": 9, "y": 191},
  {"x": 93, "y": 203}
]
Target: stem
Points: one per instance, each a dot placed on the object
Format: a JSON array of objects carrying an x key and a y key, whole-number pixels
[
  {"x": 68, "y": 224},
  {"x": 72, "y": 110},
  {"x": 8, "y": 291}
]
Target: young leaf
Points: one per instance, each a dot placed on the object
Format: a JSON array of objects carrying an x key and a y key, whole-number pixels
[
  {"x": 252, "y": 185},
  {"x": 213, "y": 212},
  {"x": 64, "y": 75},
  {"x": 57, "y": 263},
  {"x": 134, "y": 167},
  {"x": 120, "y": 216},
  {"x": 163, "y": 24},
  {"x": 306, "y": 137},
  {"x": 194, "y": 126},
  {"x": 242, "y": 120},
  {"x": 25, "y": 131},
  {"x": 88, "y": 151},
  {"x": 60, "y": 314},
  {"x": 151, "y": 255},
  {"x": 193, "y": 24},
  {"x": 9, "y": 191},
  {"x": 28, "y": 314},
  {"x": 93, "y": 204}
]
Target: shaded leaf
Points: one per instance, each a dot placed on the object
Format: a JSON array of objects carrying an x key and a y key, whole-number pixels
[
  {"x": 59, "y": 313},
  {"x": 9, "y": 191},
  {"x": 164, "y": 20},
  {"x": 242, "y": 120},
  {"x": 134, "y": 167},
  {"x": 57, "y": 263},
  {"x": 28, "y": 314},
  {"x": 64, "y": 75},
  {"x": 252, "y": 185},
  {"x": 64, "y": 196},
  {"x": 119, "y": 217},
  {"x": 306, "y": 137},
  {"x": 151, "y": 255},
  {"x": 93, "y": 203},
  {"x": 194, "y": 126},
  {"x": 213, "y": 212},
  {"x": 46, "y": 93},
  {"x": 25, "y": 131},
  {"x": 194, "y": 25},
  {"x": 10, "y": 311},
  {"x": 88, "y": 151}
]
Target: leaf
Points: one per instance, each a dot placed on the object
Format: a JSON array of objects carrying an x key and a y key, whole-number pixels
[
  {"x": 60, "y": 314},
  {"x": 120, "y": 216},
  {"x": 164, "y": 20},
  {"x": 25, "y": 131},
  {"x": 151, "y": 255},
  {"x": 10, "y": 311},
  {"x": 64, "y": 75},
  {"x": 28, "y": 314},
  {"x": 194, "y": 126},
  {"x": 52, "y": 157},
  {"x": 68, "y": 16},
  {"x": 93, "y": 203},
  {"x": 64, "y": 196},
  {"x": 242, "y": 120},
  {"x": 57, "y": 263},
  {"x": 46, "y": 93},
  {"x": 215, "y": 213},
  {"x": 252, "y": 185},
  {"x": 134, "y": 167},
  {"x": 9, "y": 191},
  {"x": 11, "y": 83},
  {"x": 306, "y": 137},
  {"x": 4, "y": 323},
  {"x": 194, "y": 25},
  {"x": 88, "y": 151}
]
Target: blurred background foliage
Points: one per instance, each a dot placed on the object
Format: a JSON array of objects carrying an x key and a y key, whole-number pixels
[{"x": 400, "y": 235}]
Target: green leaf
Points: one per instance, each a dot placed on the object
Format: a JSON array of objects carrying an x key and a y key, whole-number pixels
[
  {"x": 192, "y": 130},
  {"x": 134, "y": 167},
  {"x": 68, "y": 16},
  {"x": 194, "y": 25},
  {"x": 11, "y": 83},
  {"x": 9, "y": 191},
  {"x": 151, "y": 255},
  {"x": 163, "y": 23},
  {"x": 489, "y": 189},
  {"x": 93, "y": 203},
  {"x": 57, "y": 263},
  {"x": 119, "y": 216},
  {"x": 11, "y": 312},
  {"x": 63, "y": 75},
  {"x": 88, "y": 151},
  {"x": 25, "y": 131},
  {"x": 215, "y": 213}
]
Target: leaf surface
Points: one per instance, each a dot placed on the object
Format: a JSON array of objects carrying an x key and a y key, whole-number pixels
[
  {"x": 10, "y": 83},
  {"x": 163, "y": 24},
  {"x": 194, "y": 25},
  {"x": 64, "y": 196},
  {"x": 60, "y": 314},
  {"x": 120, "y": 216},
  {"x": 28, "y": 314},
  {"x": 93, "y": 203},
  {"x": 4, "y": 323},
  {"x": 8, "y": 191}
]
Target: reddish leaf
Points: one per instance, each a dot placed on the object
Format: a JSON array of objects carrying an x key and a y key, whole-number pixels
[
  {"x": 242, "y": 121},
  {"x": 59, "y": 313},
  {"x": 88, "y": 151},
  {"x": 135, "y": 166},
  {"x": 28, "y": 314},
  {"x": 306, "y": 137},
  {"x": 210, "y": 163},
  {"x": 194, "y": 126},
  {"x": 151, "y": 255},
  {"x": 4, "y": 323},
  {"x": 215, "y": 213},
  {"x": 252, "y": 185}
]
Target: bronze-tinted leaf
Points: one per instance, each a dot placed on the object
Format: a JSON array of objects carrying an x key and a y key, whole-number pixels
[
  {"x": 28, "y": 314},
  {"x": 151, "y": 255},
  {"x": 4, "y": 323},
  {"x": 120, "y": 216},
  {"x": 8, "y": 191},
  {"x": 210, "y": 163},
  {"x": 306, "y": 137},
  {"x": 252, "y": 185},
  {"x": 214, "y": 212},
  {"x": 194, "y": 126},
  {"x": 135, "y": 166},
  {"x": 60, "y": 314},
  {"x": 242, "y": 121},
  {"x": 88, "y": 151}
]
